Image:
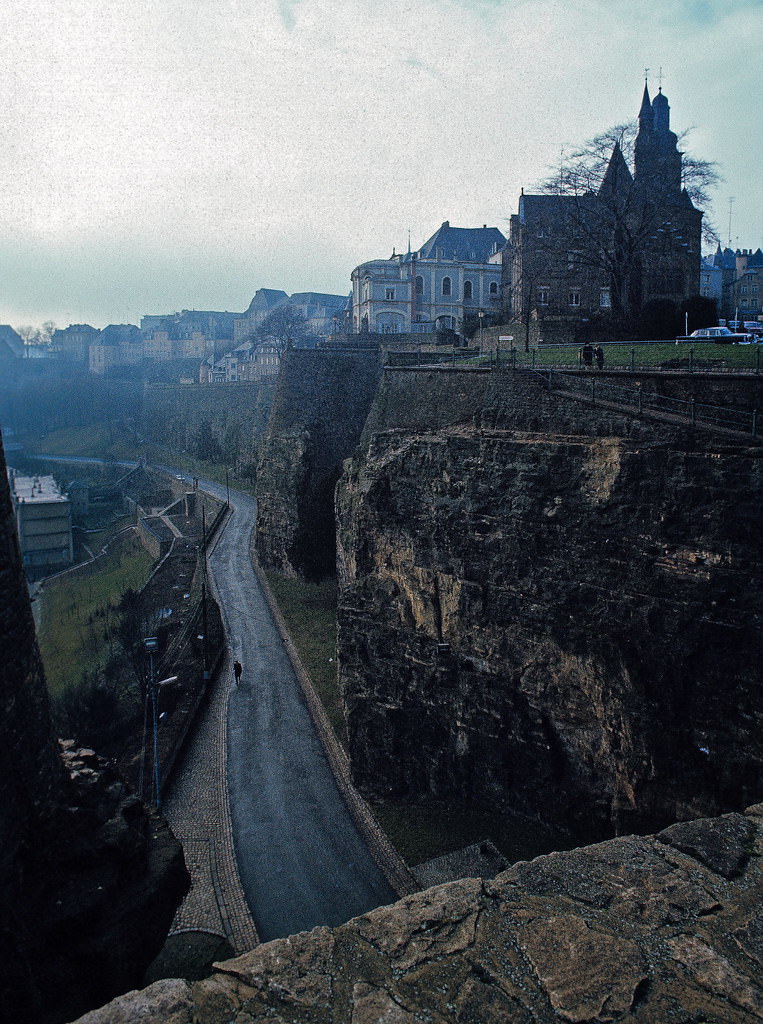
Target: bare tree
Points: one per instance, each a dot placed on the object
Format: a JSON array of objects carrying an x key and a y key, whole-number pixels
[
  {"x": 610, "y": 223},
  {"x": 285, "y": 324},
  {"x": 583, "y": 169},
  {"x": 37, "y": 335}
]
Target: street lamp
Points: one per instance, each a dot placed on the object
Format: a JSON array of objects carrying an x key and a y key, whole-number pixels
[
  {"x": 151, "y": 646},
  {"x": 480, "y": 314}
]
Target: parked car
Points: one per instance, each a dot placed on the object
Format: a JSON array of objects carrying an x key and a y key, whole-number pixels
[{"x": 719, "y": 335}]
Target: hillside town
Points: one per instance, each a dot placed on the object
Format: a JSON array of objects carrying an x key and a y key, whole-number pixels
[{"x": 623, "y": 259}]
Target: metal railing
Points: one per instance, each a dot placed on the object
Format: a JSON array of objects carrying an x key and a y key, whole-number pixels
[{"x": 599, "y": 391}]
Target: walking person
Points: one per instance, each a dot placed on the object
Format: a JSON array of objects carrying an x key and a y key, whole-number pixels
[
  {"x": 586, "y": 355},
  {"x": 237, "y": 670},
  {"x": 599, "y": 354}
]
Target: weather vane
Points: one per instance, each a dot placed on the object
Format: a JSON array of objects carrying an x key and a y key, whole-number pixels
[{"x": 646, "y": 75}]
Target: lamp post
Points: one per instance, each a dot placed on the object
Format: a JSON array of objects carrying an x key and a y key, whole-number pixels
[
  {"x": 481, "y": 316},
  {"x": 151, "y": 646},
  {"x": 204, "y": 626}
]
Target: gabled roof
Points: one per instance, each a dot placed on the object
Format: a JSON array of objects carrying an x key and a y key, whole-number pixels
[
  {"x": 266, "y": 298},
  {"x": 465, "y": 244},
  {"x": 116, "y": 333},
  {"x": 317, "y": 299},
  {"x": 11, "y": 340},
  {"x": 617, "y": 175}
]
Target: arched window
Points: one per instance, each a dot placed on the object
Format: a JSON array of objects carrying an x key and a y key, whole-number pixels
[
  {"x": 419, "y": 284},
  {"x": 446, "y": 286},
  {"x": 493, "y": 287},
  {"x": 467, "y": 289}
]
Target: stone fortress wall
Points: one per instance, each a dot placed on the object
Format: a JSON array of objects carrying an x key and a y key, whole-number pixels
[{"x": 542, "y": 604}]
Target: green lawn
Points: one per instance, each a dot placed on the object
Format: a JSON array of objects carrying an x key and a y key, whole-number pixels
[
  {"x": 638, "y": 356},
  {"x": 78, "y": 612},
  {"x": 310, "y": 613},
  {"x": 420, "y": 832},
  {"x": 96, "y": 441}
]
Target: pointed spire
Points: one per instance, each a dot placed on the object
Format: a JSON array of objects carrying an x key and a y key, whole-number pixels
[
  {"x": 646, "y": 114},
  {"x": 617, "y": 175}
]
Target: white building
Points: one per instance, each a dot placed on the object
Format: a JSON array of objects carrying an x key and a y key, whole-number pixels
[
  {"x": 455, "y": 275},
  {"x": 43, "y": 522}
]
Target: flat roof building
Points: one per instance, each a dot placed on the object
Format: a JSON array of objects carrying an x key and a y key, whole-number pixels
[{"x": 43, "y": 521}]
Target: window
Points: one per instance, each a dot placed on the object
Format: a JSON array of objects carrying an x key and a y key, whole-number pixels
[
  {"x": 543, "y": 296},
  {"x": 419, "y": 285},
  {"x": 493, "y": 287},
  {"x": 605, "y": 298},
  {"x": 389, "y": 294},
  {"x": 446, "y": 286},
  {"x": 575, "y": 297},
  {"x": 467, "y": 289}
]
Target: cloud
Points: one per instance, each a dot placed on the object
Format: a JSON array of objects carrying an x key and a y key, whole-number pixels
[{"x": 293, "y": 139}]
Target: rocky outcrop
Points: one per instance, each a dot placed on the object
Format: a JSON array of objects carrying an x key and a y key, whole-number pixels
[
  {"x": 664, "y": 928},
  {"x": 318, "y": 413},
  {"x": 89, "y": 878},
  {"x": 549, "y": 607}
]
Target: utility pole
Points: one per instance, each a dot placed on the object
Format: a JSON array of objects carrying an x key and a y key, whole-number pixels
[
  {"x": 204, "y": 650},
  {"x": 151, "y": 645}
]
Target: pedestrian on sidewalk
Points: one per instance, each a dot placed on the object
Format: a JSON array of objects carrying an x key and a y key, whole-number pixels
[{"x": 237, "y": 670}]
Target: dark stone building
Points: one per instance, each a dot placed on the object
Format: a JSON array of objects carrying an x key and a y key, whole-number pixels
[{"x": 607, "y": 255}]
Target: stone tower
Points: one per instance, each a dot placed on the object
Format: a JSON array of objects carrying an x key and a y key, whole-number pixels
[{"x": 657, "y": 160}]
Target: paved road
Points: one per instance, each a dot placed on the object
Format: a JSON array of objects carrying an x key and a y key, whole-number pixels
[{"x": 301, "y": 860}]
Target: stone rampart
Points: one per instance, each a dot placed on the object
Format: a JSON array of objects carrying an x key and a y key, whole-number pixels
[
  {"x": 549, "y": 606},
  {"x": 318, "y": 412},
  {"x": 639, "y": 930}
]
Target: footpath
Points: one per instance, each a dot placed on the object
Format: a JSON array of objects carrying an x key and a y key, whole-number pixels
[{"x": 225, "y": 801}]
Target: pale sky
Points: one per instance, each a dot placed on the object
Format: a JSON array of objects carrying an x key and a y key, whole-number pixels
[{"x": 160, "y": 155}]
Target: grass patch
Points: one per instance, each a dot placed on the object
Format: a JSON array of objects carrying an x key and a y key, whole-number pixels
[
  {"x": 644, "y": 355},
  {"x": 422, "y": 831},
  {"x": 310, "y": 613},
  {"x": 97, "y": 539},
  {"x": 95, "y": 441},
  {"x": 78, "y": 613},
  {"x": 417, "y": 831}
]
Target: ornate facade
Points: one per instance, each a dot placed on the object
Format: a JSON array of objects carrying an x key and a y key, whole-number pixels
[
  {"x": 456, "y": 274},
  {"x": 634, "y": 242}
]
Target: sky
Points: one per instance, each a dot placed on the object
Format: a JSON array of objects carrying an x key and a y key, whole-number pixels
[{"x": 160, "y": 155}]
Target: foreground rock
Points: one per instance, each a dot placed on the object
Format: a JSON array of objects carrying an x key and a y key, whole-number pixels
[{"x": 664, "y": 928}]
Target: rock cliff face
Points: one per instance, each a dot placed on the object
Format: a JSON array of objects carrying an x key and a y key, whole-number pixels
[
  {"x": 549, "y": 607},
  {"x": 665, "y": 928},
  {"x": 89, "y": 879},
  {"x": 319, "y": 410}
]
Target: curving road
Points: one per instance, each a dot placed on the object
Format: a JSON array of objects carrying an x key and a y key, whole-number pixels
[{"x": 301, "y": 859}]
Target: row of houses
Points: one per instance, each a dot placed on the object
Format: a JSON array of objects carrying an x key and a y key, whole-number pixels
[
  {"x": 592, "y": 253},
  {"x": 734, "y": 280},
  {"x": 219, "y": 341}
]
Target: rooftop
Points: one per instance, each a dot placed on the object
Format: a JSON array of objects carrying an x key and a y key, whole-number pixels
[{"x": 36, "y": 488}]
